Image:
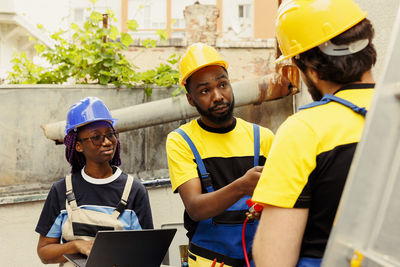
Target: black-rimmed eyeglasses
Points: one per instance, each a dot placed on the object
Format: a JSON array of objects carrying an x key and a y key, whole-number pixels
[{"x": 98, "y": 140}]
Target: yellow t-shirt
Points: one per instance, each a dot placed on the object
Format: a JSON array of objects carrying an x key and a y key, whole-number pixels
[
  {"x": 226, "y": 153},
  {"x": 309, "y": 161}
]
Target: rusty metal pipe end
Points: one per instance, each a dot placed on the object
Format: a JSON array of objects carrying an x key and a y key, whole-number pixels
[{"x": 284, "y": 81}]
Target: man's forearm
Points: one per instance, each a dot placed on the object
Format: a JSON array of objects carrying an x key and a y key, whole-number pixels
[
  {"x": 204, "y": 206},
  {"x": 279, "y": 235}
]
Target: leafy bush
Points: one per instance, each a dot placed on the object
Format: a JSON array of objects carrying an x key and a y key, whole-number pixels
[{"x": 86, "y": 57}]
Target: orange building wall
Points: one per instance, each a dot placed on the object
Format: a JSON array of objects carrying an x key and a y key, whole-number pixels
[
  {"x": 124, "y": 15},
  {"x": 219, "y": 20},
  {"x": 264, "y": 18}
]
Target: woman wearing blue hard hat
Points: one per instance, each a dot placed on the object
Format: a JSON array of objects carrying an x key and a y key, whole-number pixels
[{"x": 97, "y": 195}]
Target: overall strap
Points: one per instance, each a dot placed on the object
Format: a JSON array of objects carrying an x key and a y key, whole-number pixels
[
  {"x": 256, "y": 133},
  {"x": 200, "y": 164},
  {"x": 328, "y": 98},
  {"x": 355, "y": 108},
  {"x": 323, "y": 101},
  {"x": 69, "y": 192},
  {"x": 124, "y": 199}
]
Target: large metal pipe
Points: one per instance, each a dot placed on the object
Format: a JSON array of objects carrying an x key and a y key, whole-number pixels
[{"x": 275, "y": 85}]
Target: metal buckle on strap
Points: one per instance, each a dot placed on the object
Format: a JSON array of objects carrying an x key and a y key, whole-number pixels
[
  {"x": 205, "y": 175},
  {"x": 121, "y": 206},
  {"x": 70, "y": 197},
  {"x": 206, "y": 180}
]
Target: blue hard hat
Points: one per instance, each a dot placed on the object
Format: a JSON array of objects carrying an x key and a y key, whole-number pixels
[{"x": 87, "y": 110}]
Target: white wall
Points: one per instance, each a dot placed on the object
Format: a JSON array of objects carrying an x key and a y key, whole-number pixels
[
  {"x": 7, "y": 48},
  {"x": 233, "y": 27},
  {"x": 9, "y": 45},
  {"x": 59, "y": 14},
  {"x": 382, "y": 15},
  {"x": 50, "y": 13}
]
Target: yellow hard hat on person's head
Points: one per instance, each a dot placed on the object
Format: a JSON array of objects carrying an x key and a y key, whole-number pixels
[
  {"x": 305, "y": 24},
  {"x": 198, "y": 56}
]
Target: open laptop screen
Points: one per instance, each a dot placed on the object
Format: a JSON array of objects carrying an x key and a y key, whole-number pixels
[{"x": 128, "y": 248}]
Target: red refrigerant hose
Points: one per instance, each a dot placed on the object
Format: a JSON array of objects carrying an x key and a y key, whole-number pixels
[
  {"x": 246, "y": 257},
  {"x": 253, "y": 207}
]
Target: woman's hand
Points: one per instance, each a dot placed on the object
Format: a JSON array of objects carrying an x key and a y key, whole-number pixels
[
  {"x": 51, "y": 251},
  {"x": 83, "y": 246}
]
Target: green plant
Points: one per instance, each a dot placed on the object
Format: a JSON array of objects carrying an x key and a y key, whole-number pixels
[
  {"x": 26, "y": 72},
  {"x": 163, "y": 75},
  {"x": 88, "y": 58}
]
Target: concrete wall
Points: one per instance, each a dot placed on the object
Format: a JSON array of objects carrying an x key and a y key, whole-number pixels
[
  {"x": 29, "y": 159},
  {"x": 201, "y": 23}
]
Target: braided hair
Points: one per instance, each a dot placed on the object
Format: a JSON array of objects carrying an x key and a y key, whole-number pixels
[{"x": 76, "y": 159}]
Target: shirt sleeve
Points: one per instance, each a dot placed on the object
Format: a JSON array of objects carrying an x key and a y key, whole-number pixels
[
  {"x": 266, "y": 139},
  {"x": 142, "y": 206},
  {"x": 181, "y": 164},
  {"x": 49, "y": 216},
  {"x": 291, "y": 160}
]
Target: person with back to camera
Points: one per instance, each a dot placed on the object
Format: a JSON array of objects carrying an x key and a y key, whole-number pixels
[
  {"x": 214, "y": 162},
  {"x": 330, "y": 41},
  {"x": 97, "y": 195}
]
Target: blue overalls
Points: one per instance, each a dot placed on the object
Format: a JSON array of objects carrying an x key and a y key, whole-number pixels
[
  {"x": 220, "y": 237},
  {"x": 316, "y": 262}
]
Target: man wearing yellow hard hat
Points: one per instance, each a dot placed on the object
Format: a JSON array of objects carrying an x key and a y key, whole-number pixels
[
  {"x": 215, "y": 162},
  {"x": 330, "y": 41}
]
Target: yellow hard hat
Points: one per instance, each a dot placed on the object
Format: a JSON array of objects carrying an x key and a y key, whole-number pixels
[
  {"x": 198, "y": 56},
  {"x": 305, "y": 24}
]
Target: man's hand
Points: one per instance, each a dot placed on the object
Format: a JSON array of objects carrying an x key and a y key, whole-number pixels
[
  {"x": 250, "y": 179},
  {"x": 201, "y": 206}
]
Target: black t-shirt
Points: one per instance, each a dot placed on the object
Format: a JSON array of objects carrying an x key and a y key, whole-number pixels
[{"x": 101, "y": 195}]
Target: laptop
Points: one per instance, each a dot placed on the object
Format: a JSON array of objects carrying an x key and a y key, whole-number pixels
[{"x": 128, "y": 248}]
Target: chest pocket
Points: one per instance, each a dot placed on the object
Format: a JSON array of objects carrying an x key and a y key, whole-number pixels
[{"x": 83, "y": 223}]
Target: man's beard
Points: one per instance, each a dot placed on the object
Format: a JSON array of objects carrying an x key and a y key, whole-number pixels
[
  {"x": 312, "y": 89},
  {"x": 222, "y": 119}
]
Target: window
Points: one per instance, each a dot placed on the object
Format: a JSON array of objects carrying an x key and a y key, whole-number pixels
[
  {"x": 78, "y": 14},
  {"x": 244, "y": 11},
  {"x": 150, "y": 14},
  {"x": 241, "y": 11}
]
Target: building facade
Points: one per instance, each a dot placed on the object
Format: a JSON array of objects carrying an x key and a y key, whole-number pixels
[{"x": 243, "y": 20}]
